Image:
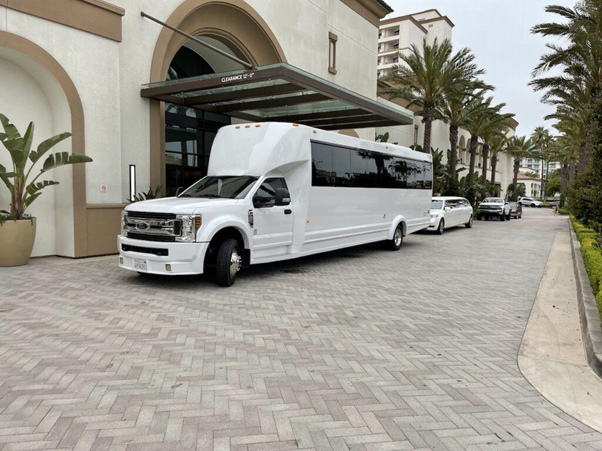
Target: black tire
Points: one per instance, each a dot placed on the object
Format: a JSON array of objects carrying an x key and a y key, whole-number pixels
[
  {"x": 479, "y": 217},
  {"x": 502, "y": 217},
  {"x": 532, "y": 205},
  {"x": 397, "y": 241},
  {"x": 509, "y": 217},
  {"x": 520, "y": 216},
  {"x": 225, "y": 276},
  {"x": 441, "y": 227},
  {"x": 486, "y": 218},
  {"x": 468, "y": 225}
]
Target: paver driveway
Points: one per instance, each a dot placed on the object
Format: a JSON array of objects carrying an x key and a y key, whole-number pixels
[{"x": 361, "y": 349}]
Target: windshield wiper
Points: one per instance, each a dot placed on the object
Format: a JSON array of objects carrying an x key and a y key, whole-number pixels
[{"x": 211, "y": 196}]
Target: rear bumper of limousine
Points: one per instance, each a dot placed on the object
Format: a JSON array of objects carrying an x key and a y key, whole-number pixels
[{"x": 161, "y": 258}]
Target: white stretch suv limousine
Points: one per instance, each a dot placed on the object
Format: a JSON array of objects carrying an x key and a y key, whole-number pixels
[
  {"x": 449, "y": 212},
  {"x": 277, "y": 191}
]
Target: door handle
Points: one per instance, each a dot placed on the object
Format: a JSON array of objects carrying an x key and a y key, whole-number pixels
[{"x": 288, "y": 212}]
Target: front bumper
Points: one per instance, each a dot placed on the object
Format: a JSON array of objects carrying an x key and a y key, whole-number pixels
[
  {"x": 434, "y": 224},
  {"x": 490, "y": 213},
  {"x": 184, "y": 258}
]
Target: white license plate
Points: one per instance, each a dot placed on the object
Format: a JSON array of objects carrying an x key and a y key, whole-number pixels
[{"x": 140, "y": 265}]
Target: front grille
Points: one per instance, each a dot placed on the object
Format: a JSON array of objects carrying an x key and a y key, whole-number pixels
[
  {"x": 145, "y": 250},
  {"x": 145, "y": 215},
  {"x": 163, "y": 227},
  {"x": 148, "y": 237}
]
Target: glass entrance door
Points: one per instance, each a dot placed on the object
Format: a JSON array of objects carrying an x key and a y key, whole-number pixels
[{"x": 189, "y": 135}]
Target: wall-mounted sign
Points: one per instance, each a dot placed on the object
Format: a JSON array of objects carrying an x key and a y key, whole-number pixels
[{"x": 246, "y": 76}]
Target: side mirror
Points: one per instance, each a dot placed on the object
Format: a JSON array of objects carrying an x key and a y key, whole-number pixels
[
  {"x": 179, "y": 191},
  {"x": 283, "y": 197}
]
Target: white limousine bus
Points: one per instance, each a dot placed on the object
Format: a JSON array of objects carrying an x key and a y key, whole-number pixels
[{"x": 277, "y": 191}]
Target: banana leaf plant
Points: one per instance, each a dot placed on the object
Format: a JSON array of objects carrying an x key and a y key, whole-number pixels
[{"x": 24, "y": 192}]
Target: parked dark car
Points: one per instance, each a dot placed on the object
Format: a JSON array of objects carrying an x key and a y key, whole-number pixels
[{"x": 516, "y": 210}]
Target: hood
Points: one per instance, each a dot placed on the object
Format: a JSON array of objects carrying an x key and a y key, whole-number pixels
[{"x": 179, "y": 205}]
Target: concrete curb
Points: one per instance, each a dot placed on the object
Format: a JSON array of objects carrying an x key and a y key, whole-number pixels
[{"x": 588, "y": 309}]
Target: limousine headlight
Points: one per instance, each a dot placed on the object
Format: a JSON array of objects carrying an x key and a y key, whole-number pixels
[{"x": 190, "y": 226}]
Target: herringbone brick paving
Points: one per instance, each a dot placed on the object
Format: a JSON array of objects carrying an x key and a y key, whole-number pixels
[{"x": 355, "y": 350}]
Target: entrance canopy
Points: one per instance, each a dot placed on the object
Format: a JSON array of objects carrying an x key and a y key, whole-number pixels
[{"x": 278, "y": 93}]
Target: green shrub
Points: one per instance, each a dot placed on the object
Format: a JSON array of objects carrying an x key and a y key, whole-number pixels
[
  {"x": 563, "y": 211},
  {"x": 592, "y": 257}
]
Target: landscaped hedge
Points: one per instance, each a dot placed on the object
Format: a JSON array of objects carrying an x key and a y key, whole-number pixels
[
  {"x": 592, "y": 257},
  {"x": 563, "y": 211}
]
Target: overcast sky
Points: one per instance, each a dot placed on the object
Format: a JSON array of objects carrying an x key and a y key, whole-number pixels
[{"x": 498, "y": 32}]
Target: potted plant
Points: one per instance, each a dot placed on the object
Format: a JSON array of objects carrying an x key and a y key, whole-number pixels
[{"x": 18, "y": 229}]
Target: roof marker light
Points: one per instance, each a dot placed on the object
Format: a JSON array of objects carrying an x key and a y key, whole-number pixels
[
  {"x": 237, "y": 127},
  {"x": 257, "y": 125},
  {"x": 295, "y": 125},
  {"x": 247, "y": 126}
]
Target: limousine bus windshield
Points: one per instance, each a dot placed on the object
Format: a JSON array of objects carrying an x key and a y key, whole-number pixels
[{"x": 228, "y": 187}]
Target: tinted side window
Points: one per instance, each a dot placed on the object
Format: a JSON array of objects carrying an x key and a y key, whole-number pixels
[
  {"x": 267, "y": 190},
  {"x": 358, "y": 169},
  {"x": 428, "y": 175},
  {"x": 372, "y": 178},
  {"x": 341, "y": 166},
  {"x": 322, "y": 168}
]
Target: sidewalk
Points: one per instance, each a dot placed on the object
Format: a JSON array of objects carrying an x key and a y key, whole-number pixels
[{"x": 551, "y": 356}]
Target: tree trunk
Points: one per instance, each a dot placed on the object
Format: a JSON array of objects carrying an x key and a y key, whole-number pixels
[
  {"x": 493, "y": 168},
  {"x": 429, "y": 114},
  {"x": 485, "y": 156},
  {"x": 542, "y": 181},
  {"x": 515, "y": 180},
  {"x": 544, "y": 185},
  {"x": 453, "y": 160},
  {"x": 474, "y": 143}
]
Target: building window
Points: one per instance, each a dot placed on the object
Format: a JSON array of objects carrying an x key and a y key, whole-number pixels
[
  {"x": 396, "y": 60},
  {"x": 332, "y": 53}
]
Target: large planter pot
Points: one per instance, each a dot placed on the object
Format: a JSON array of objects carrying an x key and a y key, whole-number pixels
[{"x": 16, "y": 241}]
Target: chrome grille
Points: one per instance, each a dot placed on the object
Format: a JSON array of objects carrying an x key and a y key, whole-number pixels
[{"x": 153, "y": 226}]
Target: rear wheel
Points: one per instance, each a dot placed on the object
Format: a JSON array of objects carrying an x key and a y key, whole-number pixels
[
  {"x": 502, "y": 217},
  {"x": 397, "y": 241},
  {"x": 228, "y": 262},
  {"x": 468, "y": 225}
]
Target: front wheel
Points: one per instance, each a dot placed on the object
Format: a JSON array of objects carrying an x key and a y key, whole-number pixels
[
  {"x": 509, "y": 217},
  {"x": 228, "y": 262},
  {"x": 441, "y": 227},
  {"x": 397, "y": 241},
  {"x": 502, "y": 217},
  {"x": 468, "y": 225}
]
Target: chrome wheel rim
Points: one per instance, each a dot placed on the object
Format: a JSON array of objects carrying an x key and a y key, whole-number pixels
[
  {"x": 398, "y": 237},
  {"x": 441, "y": 227},
  {"x": 471, "y": 221},
  {"x": 235, "y": 263}
]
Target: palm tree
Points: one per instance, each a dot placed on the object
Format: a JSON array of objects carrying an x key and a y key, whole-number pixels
[
  {"x": 483, "y": 117},
  {"x": 457, "y": 110},
  {"x": 542, "y": 137},
  {"x": 496, "y": 125},
  {"x": 428, "y": 73},
  {"x": 519, "y": 147},
  {"x": 579, "y": 75},
  {"x": 497, "y": 145}
]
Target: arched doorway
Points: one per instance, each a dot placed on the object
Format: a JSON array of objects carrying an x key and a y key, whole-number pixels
[
  {"x": 180, "y": 138},
  {"x": 55, "y": 106}
]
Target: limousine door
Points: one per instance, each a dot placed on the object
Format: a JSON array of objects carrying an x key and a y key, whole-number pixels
[{"x": 273, "y": 224}]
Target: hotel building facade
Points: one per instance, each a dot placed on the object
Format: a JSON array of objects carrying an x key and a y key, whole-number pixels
[{"x": 83, "y": 66}]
